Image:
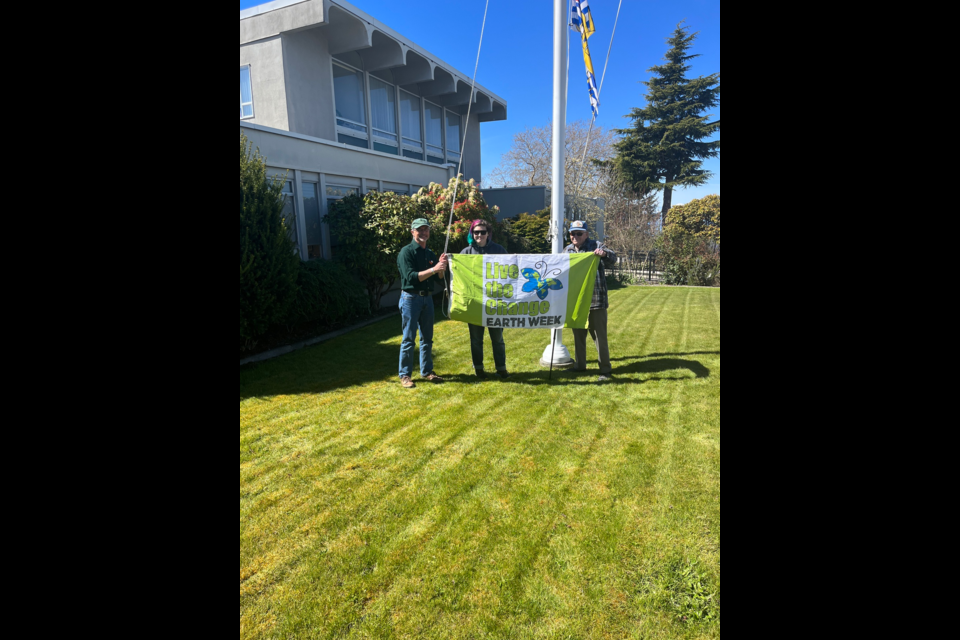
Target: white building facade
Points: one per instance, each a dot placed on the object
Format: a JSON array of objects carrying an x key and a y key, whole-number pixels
[{"x": 341, "y": 104}]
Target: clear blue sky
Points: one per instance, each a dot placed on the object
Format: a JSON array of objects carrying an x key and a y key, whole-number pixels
[{"x": 516, "y": 62}]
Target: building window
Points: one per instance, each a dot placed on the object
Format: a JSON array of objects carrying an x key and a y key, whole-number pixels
[
  {"x": 410, "y": 114},
  {"x": 434, "y": 121},
  {"x": 289, "y": 211},
  {"x": 383, "y": 106},
  {"x": 351, "y": 107},
  {"x": 246, "y": 94},
  {"x": 334, "y": 193},
  {"x": 311, "y": 211},
  {"x": 400, "y": 122},
  {"x": 453, "y": 137}
]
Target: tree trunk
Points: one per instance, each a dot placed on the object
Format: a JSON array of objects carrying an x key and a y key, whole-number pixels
[{"x": 667, "y": 205}]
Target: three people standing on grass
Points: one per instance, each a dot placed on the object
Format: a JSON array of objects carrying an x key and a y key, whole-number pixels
[{"x": 421, "y": 269}]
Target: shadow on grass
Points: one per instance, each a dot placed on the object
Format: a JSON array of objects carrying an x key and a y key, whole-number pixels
[
  {"x": 365, "y": 356},
  {"x": 668, "y": 355},
  {"x": 370, "y": 355},
  {"x": 644, "y": 367}
]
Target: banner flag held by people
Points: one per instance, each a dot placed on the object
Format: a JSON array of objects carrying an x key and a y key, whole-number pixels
[{"x": 523, "y": 291}]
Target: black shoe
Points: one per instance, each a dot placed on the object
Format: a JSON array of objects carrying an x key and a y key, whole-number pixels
[
  {"x": 482, "y": 374},
  {"x": 503, "y": 374}
]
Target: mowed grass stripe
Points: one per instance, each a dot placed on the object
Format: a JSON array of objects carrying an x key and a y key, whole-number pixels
[
  {"x": 522, "y": 510},
  {"x": 466, "y": 485}
]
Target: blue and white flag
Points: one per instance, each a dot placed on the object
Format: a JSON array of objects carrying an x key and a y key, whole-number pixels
[
  {"x": 582, "y": 19},
  {"x": 591, "y": 81}
]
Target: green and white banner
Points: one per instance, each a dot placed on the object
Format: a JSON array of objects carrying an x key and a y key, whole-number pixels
[{"x": 524, "y": 291}]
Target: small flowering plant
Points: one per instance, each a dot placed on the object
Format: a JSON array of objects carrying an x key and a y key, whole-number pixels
[{"x": 435, "y": 202}]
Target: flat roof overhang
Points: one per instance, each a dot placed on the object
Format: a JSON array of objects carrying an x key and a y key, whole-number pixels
[{"x": 351, "y": 31}]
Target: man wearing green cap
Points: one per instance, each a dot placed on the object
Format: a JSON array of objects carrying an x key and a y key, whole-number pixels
[{"x": 420, "y": 270}]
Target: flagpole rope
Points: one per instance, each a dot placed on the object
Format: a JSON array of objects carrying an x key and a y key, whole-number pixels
[
  {"x": 463, "y": 147},
  {"x": 593, "y": 121}
]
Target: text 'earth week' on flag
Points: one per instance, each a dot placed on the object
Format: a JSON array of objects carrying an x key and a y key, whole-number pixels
[{"x": 523, "y": 291}]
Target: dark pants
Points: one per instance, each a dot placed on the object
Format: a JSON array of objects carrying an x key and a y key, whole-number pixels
[
  {"x": 499, "y": 347},
  {"x": 598, "y": 330}
]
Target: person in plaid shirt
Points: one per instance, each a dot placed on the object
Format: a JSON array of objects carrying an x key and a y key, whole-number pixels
[{"x": 582, "y": 243}]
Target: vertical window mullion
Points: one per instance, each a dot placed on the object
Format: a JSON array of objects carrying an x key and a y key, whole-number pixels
[
  {"x": 423, "y": 126},
  {"x": 366, "y": 83}
]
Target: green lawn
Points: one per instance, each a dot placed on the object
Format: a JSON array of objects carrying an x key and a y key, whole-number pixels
[{"x": 517, "y": 509}]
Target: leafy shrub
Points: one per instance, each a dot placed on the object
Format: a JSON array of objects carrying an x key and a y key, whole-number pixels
[
  {"x": 434, "y": 201},
  {"x": 327, "y": 296},
  {"x": 534, "y": 229},
  {"x": 700, "y": 218},
  {"x": 268, "y": 259},
  {"x": 687, "y": 259},
  {"x": 371, "y": 231}
]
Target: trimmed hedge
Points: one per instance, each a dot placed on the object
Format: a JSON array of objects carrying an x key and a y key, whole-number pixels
[
  {"x": 268, "y": 262},
  {"x": 327, "y": 296}
]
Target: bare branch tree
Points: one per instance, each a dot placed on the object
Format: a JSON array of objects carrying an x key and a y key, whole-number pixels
[
  {"x": 530, "y": 161},
  {"x": 632, "y": 223}
]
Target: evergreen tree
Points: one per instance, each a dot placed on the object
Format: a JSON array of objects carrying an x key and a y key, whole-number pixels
[
  {"x": 666, "y": 147},
  {"x": 268, "y": 259}
]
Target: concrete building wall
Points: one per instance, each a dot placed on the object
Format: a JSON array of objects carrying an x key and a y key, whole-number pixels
[
  {"x": 267, "y": 82},
  {"x": 308, "y": 74},
  {"x": 271, "y": 21},
  {"x": 293, "y": 152}
]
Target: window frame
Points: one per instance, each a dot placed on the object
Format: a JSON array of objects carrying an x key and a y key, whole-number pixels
[
  {"x": 406, "y": 142},
  {"x": 443, "y": 133},
  {"x": 253, "y": 110},
  {"x": 386, "y": 135},
  {"x": 291, "y": 198},
  {"x": 446, "y": 147},
  {"x": 303, "y": 198},
  {"x": 367, "y": 133}
]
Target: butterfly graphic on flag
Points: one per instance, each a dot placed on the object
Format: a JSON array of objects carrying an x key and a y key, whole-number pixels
[{"x": 541, "y": 285}]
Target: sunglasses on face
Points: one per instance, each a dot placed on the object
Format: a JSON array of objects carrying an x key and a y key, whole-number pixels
[
  {"x": 480, "y": 233},
  {"x": 577, "y": 234}
]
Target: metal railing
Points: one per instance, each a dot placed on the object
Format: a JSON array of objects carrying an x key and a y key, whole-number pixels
[{"x": 630, "y": 269}]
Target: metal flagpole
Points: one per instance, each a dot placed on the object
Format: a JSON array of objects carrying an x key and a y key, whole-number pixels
[{"x": 559, "y": 356}]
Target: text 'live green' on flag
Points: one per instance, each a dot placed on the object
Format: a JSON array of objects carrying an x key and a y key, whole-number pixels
[{"x": 523, "y": 291}]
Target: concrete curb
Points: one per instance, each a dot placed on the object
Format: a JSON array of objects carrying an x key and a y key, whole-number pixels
[{"x": 280, "y": 351}]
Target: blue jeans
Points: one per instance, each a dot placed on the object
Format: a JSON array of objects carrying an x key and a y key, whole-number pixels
[
  {"x": 499, "y": 347},
  {"x": 417, "y": 312}
]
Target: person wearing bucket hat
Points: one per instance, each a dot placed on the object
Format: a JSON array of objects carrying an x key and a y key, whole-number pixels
[
  {"x": 481, "y": 243},
  {"x": 581, "y": 243},
  {"x": 420, "y": 271}
]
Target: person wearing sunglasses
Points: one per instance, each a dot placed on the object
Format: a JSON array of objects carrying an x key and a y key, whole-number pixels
[
  {"x": 481, "y": 243},
  {"x": 581, "y": 243}
]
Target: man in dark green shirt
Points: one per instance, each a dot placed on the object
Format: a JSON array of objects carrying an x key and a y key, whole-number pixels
[{"x": 420, "y": 270}]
